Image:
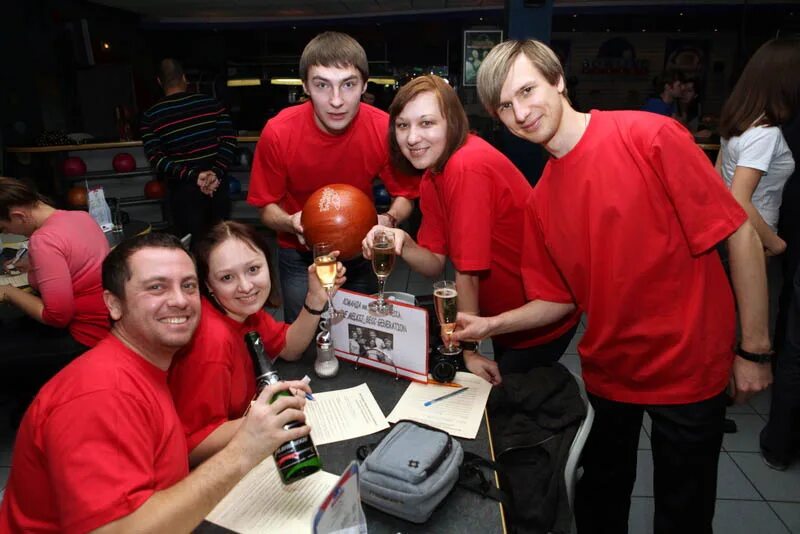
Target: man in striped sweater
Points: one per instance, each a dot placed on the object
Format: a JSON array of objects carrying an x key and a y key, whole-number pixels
[{"x": 190, "y": 142}]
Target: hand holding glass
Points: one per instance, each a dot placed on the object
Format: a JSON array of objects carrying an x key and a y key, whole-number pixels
[
  {"x": 382, "y": 263},
  {"x": 325, "y": 264},
  {"x": 445, "y": 300}
]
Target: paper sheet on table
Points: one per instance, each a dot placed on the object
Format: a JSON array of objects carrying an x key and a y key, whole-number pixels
[
  {"x": 460, "y": 415},
  {"x": 261, "y": 503},
  {"x": 16, "y": 280},
  {"x": 344, "y": 414}
]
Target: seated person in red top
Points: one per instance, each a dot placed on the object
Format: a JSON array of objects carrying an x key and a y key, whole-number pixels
[
  {"x": 65, "y": 253},
  {"x": 333, "y": 138},
  {"x": 473, "y": 204},
  {"x": 212, "y": 379},
  {"x": 623, "y": 225},
  {"x": 101, "y": 448}
]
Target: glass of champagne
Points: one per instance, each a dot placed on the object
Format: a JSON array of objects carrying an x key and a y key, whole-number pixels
[
  {"x": 325, "y": 265},
  {"x": 445, "y": 300},
  {"x": 382, "y": 264}
]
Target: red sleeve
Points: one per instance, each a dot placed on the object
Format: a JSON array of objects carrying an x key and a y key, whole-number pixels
[
  {"x": 706, "y": 210},
  {"x": 540, "y": 276},
  {"x": 53, "y": 279},
  {"x": 100, "y": 450},
  {"x": 431, "y": 233},
  {"x": 468, "y": 196},
  {"x": 268, "y": 175},
  {"x": 201, "y": 390},
  {"x": 272, "y": 332},
  {"x": 399, "y": 184}
]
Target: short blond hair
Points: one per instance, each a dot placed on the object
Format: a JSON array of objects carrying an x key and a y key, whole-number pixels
[
  {"x": 494, "y": 69},
  {"x": 334, "y": 49}
]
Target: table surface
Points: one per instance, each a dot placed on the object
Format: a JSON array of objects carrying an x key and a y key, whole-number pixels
[
  {"x": 461, "y": 511},
  {"x": 130, "y": 229}
]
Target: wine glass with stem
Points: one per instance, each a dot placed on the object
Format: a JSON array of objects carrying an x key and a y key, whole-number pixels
[
  {"x": 382, "y": 264},
  {"x": 325, "y": 265},
  {"x": 445, "y": 301}
]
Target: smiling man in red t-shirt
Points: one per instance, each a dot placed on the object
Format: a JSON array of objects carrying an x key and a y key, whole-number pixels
[
  {"x": 101, "y": 448},
  {"x": 333, "y": 138},
  {"x": 623, "y": 224}
]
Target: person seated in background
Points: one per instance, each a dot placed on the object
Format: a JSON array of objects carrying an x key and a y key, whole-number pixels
[
  {"x": 472, "y": 200},
  {"x": 101, "y": 448},
  {"x": 688, "y": 110},
  {"x": 667, "y": 89},
  {"x": 212, "y": 379},
  {"x": 65, "y": 255}
]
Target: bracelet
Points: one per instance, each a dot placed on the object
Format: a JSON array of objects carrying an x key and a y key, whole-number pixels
[
  {"x": 763, "y": 357},
  {"x": 392, "y": 218},
  {"x": 312, "y": 311}
]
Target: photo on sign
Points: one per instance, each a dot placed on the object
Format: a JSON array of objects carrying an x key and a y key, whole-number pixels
[
  {"x": 371, "y": 343},
  {"x": 477, "y": 45}
]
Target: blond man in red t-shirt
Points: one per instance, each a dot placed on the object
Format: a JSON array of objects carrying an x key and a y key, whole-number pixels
[
  {"x": 623, "y": 224},
  {"x": 333, "y": 138}
]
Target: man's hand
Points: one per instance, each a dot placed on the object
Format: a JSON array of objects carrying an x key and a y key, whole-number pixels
[
  {"x": 208, "y": 182},
  {"x": 263, "y": 428},
  {"x": 485, "y": 368},
  {"x": 748, "y": 378},
  {"x": 297, "y": 226},
  {"x": 399, "y": 240},
  {"x": 472, "y": 327}
]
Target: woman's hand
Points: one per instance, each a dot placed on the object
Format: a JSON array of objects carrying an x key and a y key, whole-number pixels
[
  {"x": 399, "y": 240},
  {"x": 479, "y": 365},
  {"x": 317, "y": 297},
  {"x": 777, "y": 247},
  {"x": 22, "y": 265}
]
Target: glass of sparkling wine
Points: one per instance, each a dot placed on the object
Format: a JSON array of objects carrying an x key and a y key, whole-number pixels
[
  {"x": 445, "y": 300},
  {"x": 382, "y": 263},
  {"x": 325, "y": 264}
]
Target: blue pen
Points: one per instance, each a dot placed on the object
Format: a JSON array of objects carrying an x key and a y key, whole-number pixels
[
  {"x": 306, "y": 379},
  {"x": 443, "y": 397}
]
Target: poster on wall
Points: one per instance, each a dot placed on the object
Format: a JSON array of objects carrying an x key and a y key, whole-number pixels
[{"x": 477, "y": 44}]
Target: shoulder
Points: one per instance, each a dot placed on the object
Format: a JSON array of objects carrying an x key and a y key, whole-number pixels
[
  {"x": 213, "y": 337},
  {"x": 287, "y": 117},
  {"x": 761, "y": 133}
]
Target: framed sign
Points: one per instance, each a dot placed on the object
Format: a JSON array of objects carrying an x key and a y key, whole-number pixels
[
  {"x": 477, "y": 44},
  {"x": 396, "y": 344}
]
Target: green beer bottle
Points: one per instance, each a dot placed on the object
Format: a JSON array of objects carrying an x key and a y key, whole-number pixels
[{"x": 297, "y": 458}]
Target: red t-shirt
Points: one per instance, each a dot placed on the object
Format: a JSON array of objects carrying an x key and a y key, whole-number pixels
[
  {"x": 66, "y": 256},
  {"x": 473, "y": 212},
  {"x": 625, "y": 226},
  {"x": 98, "y": 440},
  {"x": 294, "y": 158},
  {"x": 212, "y": 379}
]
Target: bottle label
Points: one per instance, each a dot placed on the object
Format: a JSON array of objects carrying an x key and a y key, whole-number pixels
[{"x": 294, "y": 452}]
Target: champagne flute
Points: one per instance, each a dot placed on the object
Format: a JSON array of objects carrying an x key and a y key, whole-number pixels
[
  {"x": 445, "y": 300},
  {"x": 325, "y": 265},
  {"x": 382, "y": 264}
]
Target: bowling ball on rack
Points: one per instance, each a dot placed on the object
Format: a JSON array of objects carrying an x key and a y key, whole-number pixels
[
  {"x": 155, "y": 189},
  {"x": 245, "y": 157},
  {"x": 73, "y": 166},
  {"x": 124, "y": 162},
  {"x": 78, "y": 197},
  {"x": 234, "y": 186},
  {"x": 339, "y": 214}
]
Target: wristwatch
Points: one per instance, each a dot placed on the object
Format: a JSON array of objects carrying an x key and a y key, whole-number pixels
[
  {"x": 471, "y": 346},
  {"x": 763, "y": 357}
]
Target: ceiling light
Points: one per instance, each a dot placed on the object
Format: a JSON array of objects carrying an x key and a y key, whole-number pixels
[
  {"x": 286, "y": 81},
  {"x": 244, "y": 82}
]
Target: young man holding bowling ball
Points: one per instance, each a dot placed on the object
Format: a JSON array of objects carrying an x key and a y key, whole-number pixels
[{"x": 332, "y": 138}]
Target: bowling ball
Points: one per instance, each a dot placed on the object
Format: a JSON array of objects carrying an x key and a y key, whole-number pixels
[
  {"x": 78, "y": 197},
  {"x": 245, "y": 157},
  {"x": 339, "y": 214},
  {"x": 234, "y": 186},
  {"x": 124, "y": 162},
  {"x": 73, "y": 166},
  {"x": 154, "y": 189},
  {"x": 381, "y": 195}
]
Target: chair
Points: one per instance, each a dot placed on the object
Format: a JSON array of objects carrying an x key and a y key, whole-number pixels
[{"x": 571, "y": 474}]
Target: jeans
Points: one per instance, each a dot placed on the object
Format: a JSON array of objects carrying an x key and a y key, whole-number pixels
[
  {"x": 686, "y": 441},
  {"x": 523, "y": 360},
  {"x": 293, "y": 272}
]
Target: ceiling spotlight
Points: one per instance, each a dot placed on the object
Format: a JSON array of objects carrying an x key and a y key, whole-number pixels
[{"x": 106, "y": 45}]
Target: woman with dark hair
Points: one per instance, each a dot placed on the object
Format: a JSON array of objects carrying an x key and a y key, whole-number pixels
[
  {"x": 473, "y": 201},
  {"x": 212, "y": 379},
  {"x": 65, "y": 256}
]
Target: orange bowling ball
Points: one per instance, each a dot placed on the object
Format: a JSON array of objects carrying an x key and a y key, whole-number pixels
[
  {"x": 78, "y": 197},
  {"x": 339, "y": 214}
]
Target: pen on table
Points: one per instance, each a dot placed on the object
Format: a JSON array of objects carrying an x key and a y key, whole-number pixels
[
  {"x": 443, "y": 397},
  {"x": 306, "y": 380}
]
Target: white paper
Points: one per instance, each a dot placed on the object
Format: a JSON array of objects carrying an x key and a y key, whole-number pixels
[
  {"x": 459, "y": 415},
  {"x": 261, "y": 503},
  {"x": 341, "y": 512},
  {"x": 16, "y": 280},
  {"x": 344, "y": 414},
  {"x": 396, "y": 343}
]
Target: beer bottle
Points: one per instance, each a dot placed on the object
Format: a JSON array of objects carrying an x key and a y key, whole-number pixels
[{"x": 297, "y": 458}]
